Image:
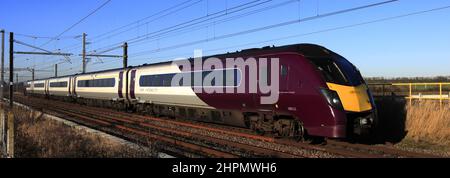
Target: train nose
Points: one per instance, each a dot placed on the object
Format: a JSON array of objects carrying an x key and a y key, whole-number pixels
[{"x": 354, "y": 99}]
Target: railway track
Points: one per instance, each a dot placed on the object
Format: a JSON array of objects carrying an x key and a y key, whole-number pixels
[
  {"x": 204, "y": 139},
  {"x": 138, "y": 136},
  {"x": 114, "y": 121},
  {"x": 378, "y": 149}
]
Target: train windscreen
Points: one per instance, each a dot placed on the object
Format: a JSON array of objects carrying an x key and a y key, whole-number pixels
[
  {"x": 351, "y": 72},
  {"x": 338, "y": 70}
]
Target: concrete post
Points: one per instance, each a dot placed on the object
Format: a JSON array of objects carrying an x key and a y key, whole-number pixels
[
  {"x": 10, "y": 133},
  {"x": 2, "y": 131}
]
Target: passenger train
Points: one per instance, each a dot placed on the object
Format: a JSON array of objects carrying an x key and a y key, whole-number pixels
[{"x": 321, "y": 94}]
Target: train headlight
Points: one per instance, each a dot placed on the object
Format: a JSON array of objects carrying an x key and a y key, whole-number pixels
[
  {"x": 332, "y": 98},
  {"x": 336, "y": 101},
  {"x": 364, "y": 121}
]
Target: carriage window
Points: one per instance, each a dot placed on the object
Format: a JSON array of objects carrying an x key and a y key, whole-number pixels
[
  {"x": 145, "y": 80},
  {"x": 58, "y": 84},
  {"x": 156, "y": 80},
  {"x": 110, "y": 82},
  {"x": 231, "y": 78},
  {"x": 39, "y": 85}
]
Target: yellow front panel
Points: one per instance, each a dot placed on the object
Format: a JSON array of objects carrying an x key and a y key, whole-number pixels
[{"x": 354, "y": 99}]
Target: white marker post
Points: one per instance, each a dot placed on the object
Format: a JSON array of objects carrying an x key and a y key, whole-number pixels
[
  {"x": 10, "y": 133},
  {"x": 2, "y": 132}
]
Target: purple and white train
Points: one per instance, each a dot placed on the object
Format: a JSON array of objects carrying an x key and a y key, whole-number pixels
[{"x": 320, "y": 93}]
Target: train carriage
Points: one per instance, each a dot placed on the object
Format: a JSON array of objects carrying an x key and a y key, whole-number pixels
[
  {"x": 101, "y": 86},
  {"x": 58, "y": 87},
  {"x": 37, "y": 87}
]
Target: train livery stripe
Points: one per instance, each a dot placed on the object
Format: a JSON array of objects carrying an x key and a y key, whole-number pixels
[
  {"x": 120, "y": 85},
  {"x": 133, "y": 84}
]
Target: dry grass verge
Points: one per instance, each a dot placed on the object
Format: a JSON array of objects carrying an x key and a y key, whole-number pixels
[
  {"x": 423, "y": 121},
  {"x": 46, "y": 138},
  {"x": 427, "y": 121}
]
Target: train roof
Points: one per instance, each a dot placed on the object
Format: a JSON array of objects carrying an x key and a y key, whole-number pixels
[{"x": 304, "y": 49}]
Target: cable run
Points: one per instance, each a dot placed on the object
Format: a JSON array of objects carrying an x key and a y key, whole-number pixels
[
  {"x": 215, "y": 22},
  {"x": 145, "y": 18},
  {"x": 76, "y": 46},
  {"x": 315, "y": 32},
  {"x": 189, "y": 25},
  {"x": 148, "y": 22},
  {"x": 210, "y": 16},
  {"x": 260, "y": 29},
  {"x": 46, "y": 37},
  {"x": 266, "y": 27},
  {"x": 81, "y": 20}
]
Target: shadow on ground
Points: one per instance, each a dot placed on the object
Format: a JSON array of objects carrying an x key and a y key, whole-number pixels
[{"x": 392, "y": 120}]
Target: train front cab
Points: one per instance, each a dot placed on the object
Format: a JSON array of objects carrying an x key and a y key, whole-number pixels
[{"x": 348, "y": 94}]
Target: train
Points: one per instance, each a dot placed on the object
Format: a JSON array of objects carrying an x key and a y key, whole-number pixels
[{"x": 320, "y": 93}]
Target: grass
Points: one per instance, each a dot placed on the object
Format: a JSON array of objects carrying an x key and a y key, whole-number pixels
[
  {"x": 418, "y": 122},
  {"x": 38, "y": 137},
  {"x": 426, "y": 120}
]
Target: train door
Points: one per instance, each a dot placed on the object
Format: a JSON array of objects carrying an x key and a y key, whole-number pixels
[
  {"x": 130, "y": 85},
  {"x": 127, "y": 89},
  {"x": 121, "y": 84},
  {"x": 69, "y": 84},
  {"x": 32, "y": 86},
  {"x": 46, "y": 88},
  {"x": 133, "y": 84},
  {"x": 74, "y": 87},
  {"x": 284, "y": 77}
]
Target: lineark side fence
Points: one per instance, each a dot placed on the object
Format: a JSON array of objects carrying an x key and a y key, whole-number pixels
[{"x": 413, "y": 91}]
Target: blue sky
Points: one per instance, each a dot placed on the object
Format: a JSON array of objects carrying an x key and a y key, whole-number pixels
[{"x": 416, "y": 45}]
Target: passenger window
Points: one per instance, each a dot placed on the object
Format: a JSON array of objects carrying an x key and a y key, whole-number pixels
[
  {"x": 97, "y": 83},
  {"x": 284, "y": 71},
  {"x": 165, "y": 80}
]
